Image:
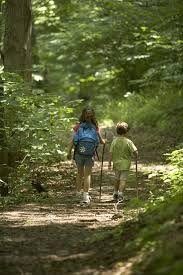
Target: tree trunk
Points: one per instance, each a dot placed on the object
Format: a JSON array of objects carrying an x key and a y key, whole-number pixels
[
  {"x": 17, "y": 38},
  {"x": 17, "y": 59},
  {"x": 3, "y": 140}
]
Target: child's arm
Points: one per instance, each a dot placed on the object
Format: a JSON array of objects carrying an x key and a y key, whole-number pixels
[
  {"x": 102, "y": 141},
  {"x": 71, "y": 144},
  {"x": 70, "y": 147}
]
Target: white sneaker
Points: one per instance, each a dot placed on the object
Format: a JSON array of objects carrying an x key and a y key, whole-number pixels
[
  {"x": 86, "y": 199},
  {"x": 120, "y": 197}
]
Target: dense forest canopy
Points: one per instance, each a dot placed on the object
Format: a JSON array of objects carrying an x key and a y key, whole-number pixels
[{"x": 109, "y": 48}]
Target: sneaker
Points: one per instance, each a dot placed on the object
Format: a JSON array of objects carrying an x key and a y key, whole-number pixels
[
  {"x": 85, "y": 203},
  {"x": 115, "y": 197},
  {"x": 120, "y": 198},
  {"x": 86, "y": 200}
]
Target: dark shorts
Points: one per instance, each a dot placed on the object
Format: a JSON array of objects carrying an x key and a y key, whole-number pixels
[{"x": 82, "y": 160}]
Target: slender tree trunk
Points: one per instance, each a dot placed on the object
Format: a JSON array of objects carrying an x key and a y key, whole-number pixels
[
  {"x": 17, "y": 37},
  {"x": 3, "y": 140},
  {"x": 17, "y": 59}
]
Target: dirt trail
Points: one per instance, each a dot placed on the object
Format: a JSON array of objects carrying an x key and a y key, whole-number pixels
[{"x": 54, "y": 236}]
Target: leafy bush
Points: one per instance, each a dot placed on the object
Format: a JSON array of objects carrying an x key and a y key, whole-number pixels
[
  {"x": 37, "y": 126},
  {"x": 175, "y": 176},
  {"x": 161, "y": 111}
]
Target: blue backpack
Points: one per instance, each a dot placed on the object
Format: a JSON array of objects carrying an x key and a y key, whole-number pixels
[{"x": 86, "y": 139}]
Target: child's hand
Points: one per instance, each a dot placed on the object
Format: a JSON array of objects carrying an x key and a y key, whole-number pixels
[{"x": 103, "y": 141}]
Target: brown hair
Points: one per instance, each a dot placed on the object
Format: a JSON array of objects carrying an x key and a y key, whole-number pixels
[
  {"x": 122, "y": 128},
  {"x": 83, "y": 114}
]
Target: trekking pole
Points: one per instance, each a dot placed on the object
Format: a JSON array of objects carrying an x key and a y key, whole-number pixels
[
  {"x": 102, "y": 162},
  {"x": 101, "y": 171},
  {"x": 136, "y": 174}
]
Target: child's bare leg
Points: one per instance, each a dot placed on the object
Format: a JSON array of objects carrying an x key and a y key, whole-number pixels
[
  {"x": 116, "y": 186},
  {"x": 87, "y": 178},
  {"x": 121, "y": 189},
  {"x": 122, "y": 185},
  {"x": 79, "y": 177}
]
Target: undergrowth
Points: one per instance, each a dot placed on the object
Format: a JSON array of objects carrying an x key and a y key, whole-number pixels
[{"x": 153, "y": 239}]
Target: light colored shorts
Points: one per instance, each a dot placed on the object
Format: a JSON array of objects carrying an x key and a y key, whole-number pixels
[
  {"x": 121, "y": 175},
  {"x": 83, "y": 160}
]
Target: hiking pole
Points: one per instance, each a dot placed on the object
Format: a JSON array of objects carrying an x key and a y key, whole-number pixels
[
  {"x": 101, "y": 171},
  {"x": 136, "y": 174}
]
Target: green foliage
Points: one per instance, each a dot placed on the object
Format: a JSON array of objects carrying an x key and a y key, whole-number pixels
[
  {"x": 176, "y": 158},
  {"x": 136, "y": 203},
  {"x": 37, "y": 124},
  {"x": 88, "y": 53},
  {"x": 161, "y": 224},
  {"x": 175, "y": 176},
  {"x": 88, "y": 50},
  {"x": 152, "y": 242},
  {"x": 162, "y": 112},
  {"x": 159, "y": 239}
]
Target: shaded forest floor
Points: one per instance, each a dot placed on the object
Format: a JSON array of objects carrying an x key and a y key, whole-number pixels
[{"x": 55, "y": 235}]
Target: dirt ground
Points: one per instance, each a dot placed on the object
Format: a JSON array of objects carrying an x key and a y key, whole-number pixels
[{"x": 56, "y": 235}]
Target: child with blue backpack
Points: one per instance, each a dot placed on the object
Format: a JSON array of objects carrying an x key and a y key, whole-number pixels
[{"x": 85, "y": 140}]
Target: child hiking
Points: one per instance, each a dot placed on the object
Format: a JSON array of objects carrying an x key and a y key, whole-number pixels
[
  {"x": 121, "y": 152},
  {"x": 85, "y": 141}
]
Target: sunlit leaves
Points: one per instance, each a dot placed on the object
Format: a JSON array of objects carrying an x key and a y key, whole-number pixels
[
  {"x": 45, "y": 12},
  {"x": 36, "y": 122},
  {"x": 175, "y": 175},
  {"x": 93, "y": 36},
  {"x": 176, "y": 158}
]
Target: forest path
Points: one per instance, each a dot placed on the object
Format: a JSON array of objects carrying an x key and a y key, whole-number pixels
[{"x": 54, "y": 235}]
